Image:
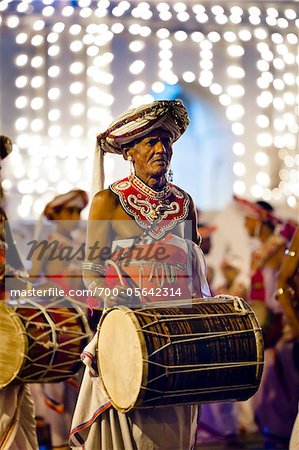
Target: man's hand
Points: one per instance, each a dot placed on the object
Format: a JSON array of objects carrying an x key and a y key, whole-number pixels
[{"x": 121, "y": 298}]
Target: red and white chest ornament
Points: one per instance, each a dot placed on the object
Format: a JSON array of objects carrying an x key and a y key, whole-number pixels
[{"x": 155, "y": 211}]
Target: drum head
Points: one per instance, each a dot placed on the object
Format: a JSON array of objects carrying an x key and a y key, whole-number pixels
[
  {"x": 120, "y": 358},
  {"x": 13, "y": 345}
]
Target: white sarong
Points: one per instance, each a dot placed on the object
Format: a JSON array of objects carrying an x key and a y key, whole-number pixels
[
  {"x": 17, "y": 423},
  {"x": 98, "y": 426}
]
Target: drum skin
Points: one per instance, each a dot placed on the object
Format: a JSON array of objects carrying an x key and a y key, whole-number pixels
[
  {"x": 207, "y": 350},
  {"x": 13, "y": 345},
  {"x": 52, "y": 336}
]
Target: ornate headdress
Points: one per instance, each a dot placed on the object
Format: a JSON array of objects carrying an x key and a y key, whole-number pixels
[
  {"x": 169, "y": 115},
  {"x": 76, "y": 198},
  {"x": 257, "y": 211}
]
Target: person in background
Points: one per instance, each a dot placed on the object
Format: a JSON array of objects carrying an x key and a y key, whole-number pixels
[
  {"x": 61, "y": 216},
  {"x": 288, "y": 284},
  {"x": 261, "y": 223},
  {"x": 288, "y": 294},
  {"x": 55, "y": 401},
  {"x": 218, "y": 421},
  {"x": 230, "y": 237},
  {"x": 231, "y": 267},
  {"x": 205, "y": 231},
  {"x": 276, "y": 402},
  {"x": 17, "y": 423}
]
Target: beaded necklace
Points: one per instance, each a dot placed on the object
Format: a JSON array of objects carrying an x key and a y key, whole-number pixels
[{"x": 155, "y": 211}]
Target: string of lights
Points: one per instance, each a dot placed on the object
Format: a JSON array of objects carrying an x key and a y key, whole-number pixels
[{"x": 65, "y": 65}]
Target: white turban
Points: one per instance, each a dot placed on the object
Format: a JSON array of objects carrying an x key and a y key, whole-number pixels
[
  {"x": 75, "y": 198},
  {"x": 169, "y": 115}
]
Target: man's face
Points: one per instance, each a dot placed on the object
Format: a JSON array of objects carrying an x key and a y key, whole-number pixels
[
  {"x": 71, "y": 213},
  {"x": 152, "y": 154},
  {"x": 67, "y": 218}
]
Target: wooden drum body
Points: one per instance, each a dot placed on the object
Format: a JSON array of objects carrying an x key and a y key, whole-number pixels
[
  {"x": 41, "y": 343},
  {"x": 206, "y": 350}
]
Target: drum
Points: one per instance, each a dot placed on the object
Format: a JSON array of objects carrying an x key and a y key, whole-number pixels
[
  {"x": 206, "y": 350},
  {"x": 41, "y": 343}
]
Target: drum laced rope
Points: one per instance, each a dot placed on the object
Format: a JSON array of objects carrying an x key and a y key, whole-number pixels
[
  {"x": 203, "y": 390},
  {"x": 240, "y": 310},
  {"x": 173, "y": 370},
  {"x": 199, "y": 336},
  {"x": 52, "y": 330}
]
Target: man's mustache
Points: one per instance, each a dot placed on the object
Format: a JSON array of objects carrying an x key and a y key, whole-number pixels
[{"x": 158, "y": 158}]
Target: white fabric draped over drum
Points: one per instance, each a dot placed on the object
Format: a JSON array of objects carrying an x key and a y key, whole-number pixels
[{"x": 100, "y": 427}]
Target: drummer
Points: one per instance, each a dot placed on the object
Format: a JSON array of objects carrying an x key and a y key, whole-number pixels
[
  {"x": 276, "y": 402},
  {"x": 55, "y": 401},
  {"x": 278, "y": 398},
  {"x": 146, "y": 221},
  {"x": 61, "y": 215},
  {"x": 288, "y": 295},
  {"x": 17, "y": 424},
  {"x": 263, "y": 224}
]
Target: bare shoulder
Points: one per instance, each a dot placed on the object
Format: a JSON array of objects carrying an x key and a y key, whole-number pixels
[
  {"x": 104, "y": 195},
  {"x": 103, "y": 205}
]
